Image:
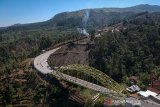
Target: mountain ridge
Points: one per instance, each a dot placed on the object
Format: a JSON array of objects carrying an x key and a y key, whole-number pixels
[{"x": 74, "y": 18}]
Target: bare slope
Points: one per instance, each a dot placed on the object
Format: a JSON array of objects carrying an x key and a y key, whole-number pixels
[{"x": 77, "y": 54}]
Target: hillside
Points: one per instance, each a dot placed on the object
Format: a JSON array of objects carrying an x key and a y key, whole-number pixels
[
  {"x": 130, "y": 51},
  {"x": 106, "y": 16},
  {"x": 77, "y": 53}
]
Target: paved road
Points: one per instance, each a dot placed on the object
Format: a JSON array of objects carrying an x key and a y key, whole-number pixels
[
  {"x": 149, "y": 104},
  {"x": 40, "y": 62}
]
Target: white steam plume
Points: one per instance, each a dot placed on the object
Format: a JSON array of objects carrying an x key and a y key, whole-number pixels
[{"x": 85, "y": 18}]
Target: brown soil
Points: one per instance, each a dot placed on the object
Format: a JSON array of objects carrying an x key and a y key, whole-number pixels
[{"x": 77, "y": 54}]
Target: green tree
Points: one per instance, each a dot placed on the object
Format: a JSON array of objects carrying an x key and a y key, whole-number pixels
[
  {"x": 92, "y": 34},
  {"x": 45, "y": 43}
]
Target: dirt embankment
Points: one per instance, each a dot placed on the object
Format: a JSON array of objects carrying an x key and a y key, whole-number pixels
[{"x": 74, "y": 54}]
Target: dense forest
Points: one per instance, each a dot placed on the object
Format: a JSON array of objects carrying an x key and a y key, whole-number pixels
[
  {"x": 131, "y": 51},
  {"x": 17, "y": 45}
]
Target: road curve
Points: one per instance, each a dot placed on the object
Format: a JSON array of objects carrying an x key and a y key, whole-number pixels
[{"x": 40, "y": 62}]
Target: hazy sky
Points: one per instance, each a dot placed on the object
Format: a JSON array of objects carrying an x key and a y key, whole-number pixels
[{"x": 29, "y": 11}]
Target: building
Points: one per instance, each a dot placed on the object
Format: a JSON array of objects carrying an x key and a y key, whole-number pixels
[{"x": 151, "y": 95}]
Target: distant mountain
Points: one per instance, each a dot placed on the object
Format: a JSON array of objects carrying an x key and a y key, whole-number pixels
[
  {"x": 95, "y": 17},
  {"x": 137, "y": 8},
  {"x": 145, "y": 7}
]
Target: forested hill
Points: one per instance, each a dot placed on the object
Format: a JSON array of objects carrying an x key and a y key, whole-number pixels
[
  {"x": 100, "y": 17},
  {"x": 95, "y": 18},
  {"x": 131, "y": 51}
]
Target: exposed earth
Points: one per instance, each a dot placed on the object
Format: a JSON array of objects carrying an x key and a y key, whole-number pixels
[{"x": 74, "y": 53}]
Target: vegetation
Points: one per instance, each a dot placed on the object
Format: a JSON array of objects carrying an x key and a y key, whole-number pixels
[
  {"x": 16, "y": 46},
  {"x": 27, "y": 88},
  {"x": 19, "y": 45},
  {"x": 132, "y": 51}
]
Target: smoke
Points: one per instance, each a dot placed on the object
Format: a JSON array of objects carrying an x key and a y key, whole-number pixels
[
  {"x": 85, "y": 18},
  {"x": 83, "y": 31}
]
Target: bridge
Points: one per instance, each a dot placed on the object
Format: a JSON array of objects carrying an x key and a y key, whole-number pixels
[{"x": 82, "y": 75}]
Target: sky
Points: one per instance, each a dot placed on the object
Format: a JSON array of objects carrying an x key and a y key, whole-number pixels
[{"x": 30, "y": 11}]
